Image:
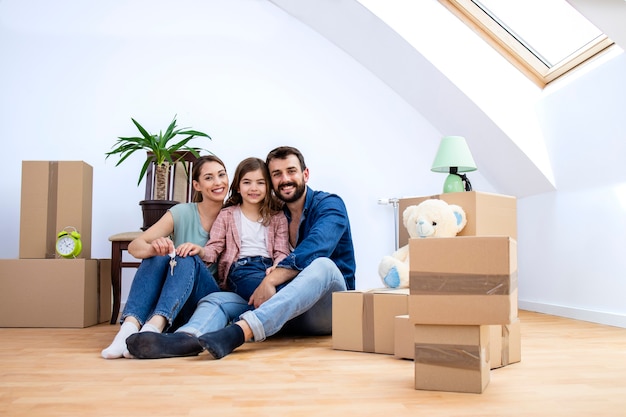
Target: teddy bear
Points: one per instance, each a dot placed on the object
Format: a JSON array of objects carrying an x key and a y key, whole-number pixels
[{"x": 430, "y": 218}]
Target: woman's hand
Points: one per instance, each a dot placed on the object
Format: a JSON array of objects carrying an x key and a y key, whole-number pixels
[
  {"x": 162, "y": 246},
  {"x": 188, "y": 249},
  {"x": 154, "y": 241},
  {"x": 165, "y": 246}
]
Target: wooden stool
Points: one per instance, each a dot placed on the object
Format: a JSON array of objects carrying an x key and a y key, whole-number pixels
[{"x": 119, "y": 243}]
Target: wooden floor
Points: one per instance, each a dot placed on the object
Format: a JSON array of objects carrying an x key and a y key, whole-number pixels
[{"x": 568, "y": 368}]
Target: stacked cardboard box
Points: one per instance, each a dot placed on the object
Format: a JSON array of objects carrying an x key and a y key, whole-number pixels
[
  {"x": 487, "y": 214},
  {"x": 55, "y": 194},
  {"x": 39, "y": 289},
  {"x": 54, "y": 292},
  {"x": 463, "y": 280},
  {"x": 462, "y": 289},
  {"x": 504, "y": 341},
  {"x": 458, "y": 319},
  {"x": 451, "y": 358}
]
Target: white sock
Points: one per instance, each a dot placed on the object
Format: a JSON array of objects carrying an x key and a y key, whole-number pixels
[
  {"x": 118, "y": 346},
  {"x": 150, "y": 328}
]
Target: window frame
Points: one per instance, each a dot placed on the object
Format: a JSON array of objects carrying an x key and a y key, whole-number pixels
[{"x": 514, "y": 51}]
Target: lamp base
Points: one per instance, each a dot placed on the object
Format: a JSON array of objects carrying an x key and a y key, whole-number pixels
[{"x": 453, "y": 184}]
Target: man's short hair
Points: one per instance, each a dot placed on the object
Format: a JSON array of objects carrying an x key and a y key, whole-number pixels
[{"x": 282, "y": 152}]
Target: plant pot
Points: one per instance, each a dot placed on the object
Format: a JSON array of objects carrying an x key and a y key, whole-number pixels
[{"x": 153, "y": 210}]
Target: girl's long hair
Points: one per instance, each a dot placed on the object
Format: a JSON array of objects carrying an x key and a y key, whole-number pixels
[{"x": 270, "y": 204}]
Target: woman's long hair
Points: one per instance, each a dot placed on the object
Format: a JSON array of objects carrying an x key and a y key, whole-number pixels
[{"x": 195, "y": 172}]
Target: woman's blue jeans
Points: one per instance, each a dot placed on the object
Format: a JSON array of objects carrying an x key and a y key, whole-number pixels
[
  {"x": 155, "y": 291},
  {"x": 304, "y": 304}
]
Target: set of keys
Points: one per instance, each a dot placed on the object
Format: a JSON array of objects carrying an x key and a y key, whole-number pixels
[{"x": 172, "y": 261}]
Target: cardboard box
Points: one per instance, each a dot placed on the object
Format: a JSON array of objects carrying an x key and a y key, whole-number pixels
[
  {"x": 105, "y": 290},
  {"x": 54, "y": 292},
  {"x": 55, "y": 195},
  {"x": 467, "y": 280},
  {"x": 363, "y": 321},
  {"x": 404, "y": 337},
  {"x": 487, "y": 214},
  {"x": 452, "y": 358},
  {"x": 505, "y": 343}
]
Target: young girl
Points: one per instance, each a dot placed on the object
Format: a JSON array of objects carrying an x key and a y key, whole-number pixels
[
  {"x": 249, "y": 236},
  {"x": 162, "y": 298}
]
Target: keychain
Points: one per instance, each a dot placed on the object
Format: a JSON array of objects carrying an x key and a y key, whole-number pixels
[{"x": 172, "y": 261}]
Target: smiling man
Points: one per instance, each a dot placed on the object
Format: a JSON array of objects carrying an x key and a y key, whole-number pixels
[{"x": 296, "y": 295}]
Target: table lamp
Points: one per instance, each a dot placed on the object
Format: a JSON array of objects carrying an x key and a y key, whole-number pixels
[{"x": 454, "y": 157}]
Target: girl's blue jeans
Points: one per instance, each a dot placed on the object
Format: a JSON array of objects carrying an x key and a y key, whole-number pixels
[{"x": 246, "y": 274}]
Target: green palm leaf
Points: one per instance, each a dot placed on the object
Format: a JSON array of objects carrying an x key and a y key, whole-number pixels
[{"x": 158, "y": 145}]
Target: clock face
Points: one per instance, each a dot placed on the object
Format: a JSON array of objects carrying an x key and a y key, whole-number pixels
[{"x": 66, "y": 245}]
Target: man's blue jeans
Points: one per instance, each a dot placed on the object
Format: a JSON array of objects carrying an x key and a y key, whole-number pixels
[
  {"x": 306, "y": 301},
  {"x": 155, "y": 291}
]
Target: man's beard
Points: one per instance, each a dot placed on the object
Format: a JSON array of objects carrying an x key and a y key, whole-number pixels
[{"x": 299, "y": 192}]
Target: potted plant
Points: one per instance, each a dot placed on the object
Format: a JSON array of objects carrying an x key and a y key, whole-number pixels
[{"x": 163, "y": 151}]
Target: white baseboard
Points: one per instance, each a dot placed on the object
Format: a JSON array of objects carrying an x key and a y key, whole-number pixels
[
  {"x": 575, "y": 313},
  {"x": 568, "y": 312}
]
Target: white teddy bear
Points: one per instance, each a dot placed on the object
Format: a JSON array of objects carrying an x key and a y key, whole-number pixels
[{"x": 430, "y": 218}]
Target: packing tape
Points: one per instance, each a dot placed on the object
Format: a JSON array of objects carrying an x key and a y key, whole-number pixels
[
  {"x": 368, "y": 316},
  {"x": 368, "y": 321},
  {"x": 51, "y": 232},
  {"x": 505, "y": 344},
  {"x": 450, "y": 356},
  {"x": 425, "y": 283}
]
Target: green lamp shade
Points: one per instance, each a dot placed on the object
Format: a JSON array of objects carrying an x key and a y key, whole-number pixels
[
  {"x": 453, "y": 157},
  {"x": 453, "y": 153}
]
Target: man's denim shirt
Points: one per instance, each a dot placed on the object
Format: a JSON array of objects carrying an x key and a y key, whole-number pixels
[{"x": 324, "y": 232}]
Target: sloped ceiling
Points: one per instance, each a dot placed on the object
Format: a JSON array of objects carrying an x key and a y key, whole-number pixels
[
  {"x": 607, "y": 15},
  {"x": 351, "y": 27}
]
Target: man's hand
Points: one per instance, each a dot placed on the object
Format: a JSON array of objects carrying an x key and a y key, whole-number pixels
[
  {"x": 263, "y": 292},
  {"x": 267, "y": 287}
]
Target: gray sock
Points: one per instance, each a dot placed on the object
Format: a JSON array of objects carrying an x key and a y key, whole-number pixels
[{"x": 223, "y": 341}]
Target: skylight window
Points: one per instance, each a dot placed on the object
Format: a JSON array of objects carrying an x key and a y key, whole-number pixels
[
  {"x": 543, "y": 38},
  {"x": 550, "y": 39}
]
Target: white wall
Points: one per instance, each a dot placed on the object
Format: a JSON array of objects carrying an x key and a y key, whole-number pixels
[
  {"x": 73, "y": 75},
  {"x": 572, "y": 242}
]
